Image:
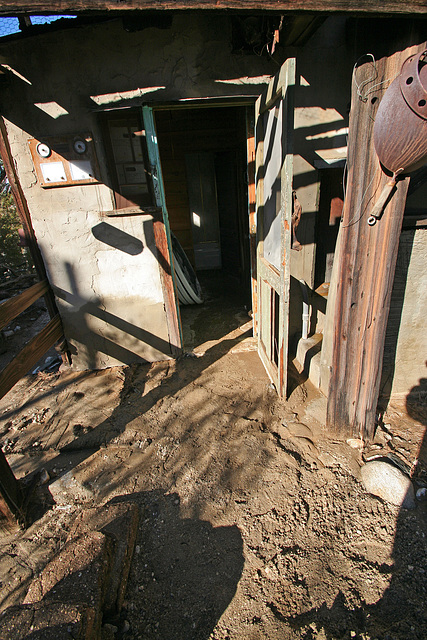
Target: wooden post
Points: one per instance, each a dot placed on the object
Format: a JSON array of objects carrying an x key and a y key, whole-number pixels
[
  {"x": 24, "y": 214},
  {"x": 366, "y": 260},
  {"x": 10, "y": 493}
]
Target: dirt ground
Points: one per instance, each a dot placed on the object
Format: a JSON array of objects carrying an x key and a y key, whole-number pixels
[{"x": 254, "y": 522}]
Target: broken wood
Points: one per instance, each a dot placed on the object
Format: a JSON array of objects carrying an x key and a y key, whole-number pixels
[
  {"x": 366, "y": 261},
  {"x": 30, "y": 354},
  {"x": 10, "y": 494},
  {"x": 24, "y": 214},
  {"x": 162, "y": 238},
  {"x": 11, "y": 7},
  {"x": 10, "y": 309}
]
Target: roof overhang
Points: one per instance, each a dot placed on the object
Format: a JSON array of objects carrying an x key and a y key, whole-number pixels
[{"x": 356, "y": 7}]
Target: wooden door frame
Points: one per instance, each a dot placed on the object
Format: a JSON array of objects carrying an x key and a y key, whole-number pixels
[
  {"x": 163, "y": 239},
  {"x": 250, "y": 154},
  {"x": 246, "y": 103},
  {"x": 281, "y": 87}
]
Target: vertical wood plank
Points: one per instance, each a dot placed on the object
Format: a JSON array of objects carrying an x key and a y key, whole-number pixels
[
  {"x": 250, "y": 145},
  {"x": 274, "y": 166},
  {"x": 366, "y": 261},
  {"x": 163, "y": 238},
  {"x": 168, "y": 289}
]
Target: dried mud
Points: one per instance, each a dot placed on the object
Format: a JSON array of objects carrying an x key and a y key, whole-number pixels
[{"x": 254, "y": 523}]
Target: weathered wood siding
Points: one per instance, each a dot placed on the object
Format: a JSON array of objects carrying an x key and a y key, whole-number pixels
[{"x": 366, "y": 261}]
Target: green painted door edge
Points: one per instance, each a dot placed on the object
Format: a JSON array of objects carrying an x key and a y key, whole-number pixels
[{"x": 159, "y": 194}]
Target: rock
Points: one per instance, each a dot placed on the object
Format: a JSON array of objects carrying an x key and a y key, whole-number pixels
[
  {"x": 300, "y": 430},
  {"x": 355, "y": 443},
  {"x": 108, "y": 632},
  {"x": 293, "y": 429},
  {"x": 422, "y": 493},
  {"x": 384, "y": 480},
  {"x": 69, "y": 489}
]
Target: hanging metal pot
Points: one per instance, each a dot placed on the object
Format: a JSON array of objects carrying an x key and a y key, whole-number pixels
[{"x": 400, "y": 129}]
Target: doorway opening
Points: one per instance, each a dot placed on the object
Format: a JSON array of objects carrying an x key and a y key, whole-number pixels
[{"x": 203, "y": 153}]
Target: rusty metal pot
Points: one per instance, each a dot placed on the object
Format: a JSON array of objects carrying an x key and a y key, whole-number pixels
[{"x": 400, "y": 129}]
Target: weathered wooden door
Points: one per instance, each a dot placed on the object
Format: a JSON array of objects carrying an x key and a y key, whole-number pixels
[
  {"x": 274, "y": 162},
  {"x": 162, "y": 235}
]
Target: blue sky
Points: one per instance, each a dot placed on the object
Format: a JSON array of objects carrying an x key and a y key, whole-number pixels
[{"x": 11, "y": 25}]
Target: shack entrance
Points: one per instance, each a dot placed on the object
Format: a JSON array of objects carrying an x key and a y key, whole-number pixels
[{"x": 203, "y": 154}]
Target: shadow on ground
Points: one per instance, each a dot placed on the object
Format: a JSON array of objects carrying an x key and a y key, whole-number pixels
[
  {"x": 400, "y": 612},
  {"x": 184, "y": 573}
]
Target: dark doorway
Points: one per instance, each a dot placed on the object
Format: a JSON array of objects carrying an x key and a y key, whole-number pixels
[{"x": 204, "y": 164}]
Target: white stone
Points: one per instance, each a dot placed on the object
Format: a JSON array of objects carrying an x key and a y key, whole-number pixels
[
  {"x": 355, "y": 443},
  {"x": 389, "y": 483},
  {"x": 68, "y": 489}
]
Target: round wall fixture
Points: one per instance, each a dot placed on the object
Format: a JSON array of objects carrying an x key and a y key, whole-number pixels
[
  {"x": 43, "y": 150},
  {"x": 79, "y": 146}
]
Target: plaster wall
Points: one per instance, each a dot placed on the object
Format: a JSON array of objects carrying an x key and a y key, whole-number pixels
[
  {"x": 404, "y": 363},
  {"x": 104, "y": 271},
  {"x": 404, "y": 359},
  {"x": 111, "y": 299}
]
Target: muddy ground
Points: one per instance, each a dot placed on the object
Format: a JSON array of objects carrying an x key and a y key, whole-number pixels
[{"x": 254, "y": 522}]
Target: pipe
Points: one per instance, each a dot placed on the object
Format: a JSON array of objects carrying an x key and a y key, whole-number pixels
[{"x": 305, "y": 309}]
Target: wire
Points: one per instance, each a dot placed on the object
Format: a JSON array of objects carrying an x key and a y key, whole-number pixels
[
  {"x": 359, "y": 87},
  {"x": 353, "y": 220},
  {"x": 363, "y": 96}
]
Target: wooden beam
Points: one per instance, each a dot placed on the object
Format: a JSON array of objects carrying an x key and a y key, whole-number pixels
[
  {"x": 30, "y": 354},
  {"x": 24, "y": 214},
  {"x": 366, "y": 260},
  {"x": 10, "y": 309},
  {"x": 396, "y": 7},
  {"x": 10, "y": 494}
]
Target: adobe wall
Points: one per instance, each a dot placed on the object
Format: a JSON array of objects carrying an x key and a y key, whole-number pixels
[
  {"x": 405, "y": 362},
  {"x": 110, "y": 299}
]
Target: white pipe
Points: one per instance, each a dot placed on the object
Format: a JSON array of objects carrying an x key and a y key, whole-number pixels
[{"x": 305, "y": 309}]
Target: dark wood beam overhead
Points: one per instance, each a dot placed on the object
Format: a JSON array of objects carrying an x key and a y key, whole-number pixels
[{"x": 395, "y": 7}]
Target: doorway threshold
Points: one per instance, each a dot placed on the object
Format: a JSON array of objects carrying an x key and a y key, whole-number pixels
[{"x": 224, "y": 310}]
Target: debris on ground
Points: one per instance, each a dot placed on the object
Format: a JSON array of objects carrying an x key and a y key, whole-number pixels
[{"x": 254, "y": 522}]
